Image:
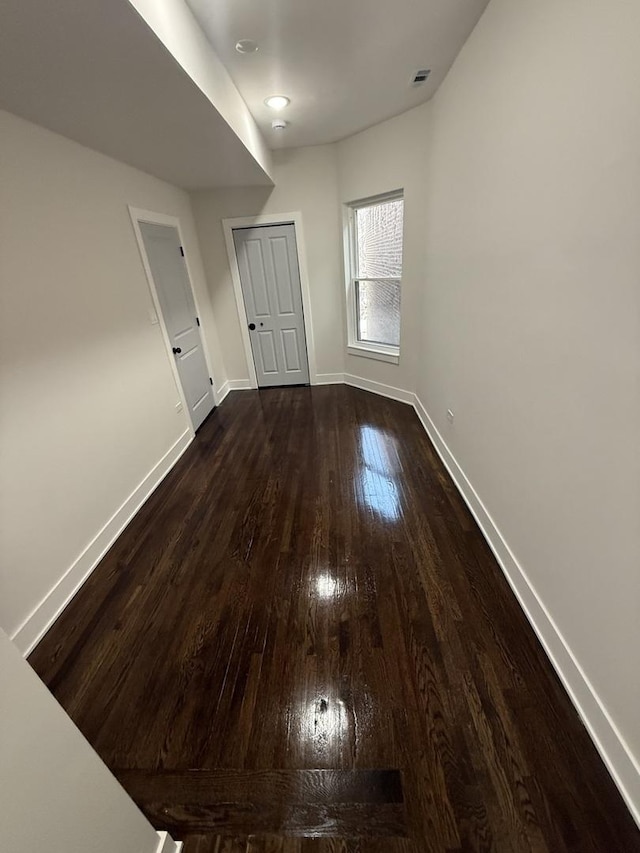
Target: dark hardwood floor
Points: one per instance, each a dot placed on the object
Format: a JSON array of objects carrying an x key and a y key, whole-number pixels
[{"x": 303, "y": 643}]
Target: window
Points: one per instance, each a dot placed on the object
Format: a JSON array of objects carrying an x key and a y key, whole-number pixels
[{"x": 374, "y": 273}]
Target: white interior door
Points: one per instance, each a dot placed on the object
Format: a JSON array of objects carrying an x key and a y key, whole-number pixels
[
  {"x": 171, "y": 280},
  {"x": 270, "y": 279}
]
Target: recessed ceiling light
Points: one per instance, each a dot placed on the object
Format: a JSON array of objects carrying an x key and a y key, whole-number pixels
[
  {"x": 277, "y": 102},
  {"x": 246, "y": 46}
]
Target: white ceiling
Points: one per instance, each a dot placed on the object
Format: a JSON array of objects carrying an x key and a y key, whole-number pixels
[
  {"x": 92, "y": 70},
  {"x": 345, "y": 64}
]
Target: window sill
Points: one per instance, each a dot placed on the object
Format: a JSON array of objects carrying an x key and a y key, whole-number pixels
[{"x": 377, "y": 354}]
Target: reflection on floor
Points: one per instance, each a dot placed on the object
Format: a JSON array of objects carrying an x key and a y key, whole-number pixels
[{"x": 303, "y": 643}]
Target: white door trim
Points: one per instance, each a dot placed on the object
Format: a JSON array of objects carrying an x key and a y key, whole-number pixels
[
  {"x": 139, "y": 215},
  {"x": 294, "y": 219}
]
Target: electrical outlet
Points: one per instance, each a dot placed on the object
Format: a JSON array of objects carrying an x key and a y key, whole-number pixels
[
  {"x": 450, "y": 416},
  {"x": 178, "y": 407}
]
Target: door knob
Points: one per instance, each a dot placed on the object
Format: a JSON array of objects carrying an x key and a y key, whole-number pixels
[
  {"x": 177, "y": 350},
  {"x": 252, "y": 326}
]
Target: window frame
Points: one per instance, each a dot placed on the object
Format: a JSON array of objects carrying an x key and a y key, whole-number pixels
[{"x": 367, "y": 349}]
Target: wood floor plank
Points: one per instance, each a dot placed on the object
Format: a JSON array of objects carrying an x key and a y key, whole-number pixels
[
  {"x": 355, "y": 820},
  {"x": 281, "y": 844},
  {"x": 310, "y": 803},
  {"x": 263, "y": 787},
  {"x": 305, "y": 613}
]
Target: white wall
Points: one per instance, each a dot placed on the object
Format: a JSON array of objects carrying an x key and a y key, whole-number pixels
[
  {"x": 57, "y": 795},
  {"x": 87, "y": 392},
  {"x": 387, "y": 157},
  {"x": 531, "y": 313},
  {"x": 174, "y": 24},
  {"x": 306, "y": 181}
]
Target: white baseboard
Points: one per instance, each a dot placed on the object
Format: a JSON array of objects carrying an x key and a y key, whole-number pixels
[
  {"x": 245, "y": 384},
  {"x": 379, "y": 388},
  {"x": 40, "y": 620},
  {"x": 329, "y": 379},
  {"x": 615, "y": 753},
  {"x": 232, "y": 385},
  {"x": 222, "y": 392},
  {"x": 166, "y": 844},
  {"x": 240, "y": 385}
]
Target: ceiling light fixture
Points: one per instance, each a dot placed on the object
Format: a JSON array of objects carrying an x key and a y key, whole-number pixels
[
  {"x": 246, "y": 46},
  {"x": 277, "y": 102}
]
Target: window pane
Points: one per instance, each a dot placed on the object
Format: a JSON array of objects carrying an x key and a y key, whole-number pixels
[
  {"x": 378, "y": 312},
  {"x": 379, "y": 234}
]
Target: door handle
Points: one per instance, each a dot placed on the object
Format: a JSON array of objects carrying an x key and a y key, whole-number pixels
[
  {"x": 252, "y": 326},
  {"x": 177, "y": 350}
]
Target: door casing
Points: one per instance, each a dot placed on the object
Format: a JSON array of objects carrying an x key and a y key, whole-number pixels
[
  {"x": 139, "y": 215},
  {"x": 295, "y": 219}
]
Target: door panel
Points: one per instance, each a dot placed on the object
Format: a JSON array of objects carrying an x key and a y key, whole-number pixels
[
  {"x": 267, "y": 350},
  {"x": 291, "y": 350},
  {"x": 257, "y": 280},
  {"x": 270, "y": 279},
  {"x": 284, "y": 285},
  {"x": 169, "y": 271}
]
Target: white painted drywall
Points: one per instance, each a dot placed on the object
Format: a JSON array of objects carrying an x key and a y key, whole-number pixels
[
  {"x": 97, "y": 73},
  {"x": 306, "y": 181},
  {"x": 387, "y": 157},
  {"x": 531, "y": 311},
  {"x": 87, "y": 392},
  {"x": 56, "y": 794},
  {"x": 174, "y": 24}
]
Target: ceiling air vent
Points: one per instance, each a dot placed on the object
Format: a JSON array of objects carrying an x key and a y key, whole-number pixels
[{"x": 420, "y": 76}]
